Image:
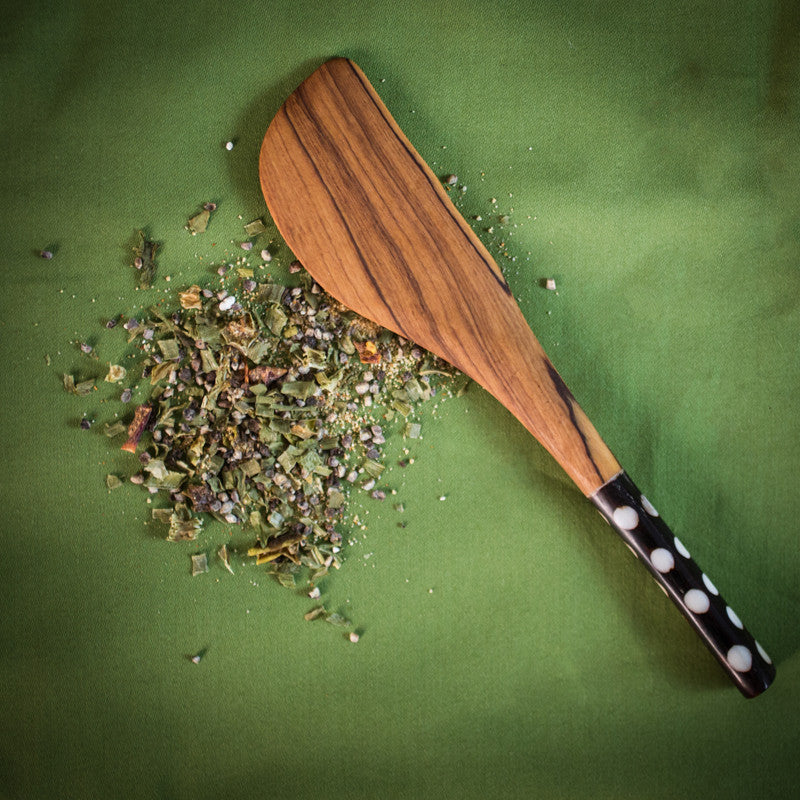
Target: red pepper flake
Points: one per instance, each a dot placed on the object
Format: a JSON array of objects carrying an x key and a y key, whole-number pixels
[
  {"x": 136, "y": 428},
  {"x": 368, "y": 352}
]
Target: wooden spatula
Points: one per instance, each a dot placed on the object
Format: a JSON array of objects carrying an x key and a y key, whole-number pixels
[{"x": 375, "y": 228}]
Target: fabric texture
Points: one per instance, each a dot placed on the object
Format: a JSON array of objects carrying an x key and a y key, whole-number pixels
[{"x": 646, "y": 155}]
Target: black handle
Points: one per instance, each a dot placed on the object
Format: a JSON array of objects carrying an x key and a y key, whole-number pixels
[{"x": 630, "y": 513}]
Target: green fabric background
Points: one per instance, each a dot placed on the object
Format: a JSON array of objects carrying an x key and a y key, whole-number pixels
[{"x": 511, "y": 647}]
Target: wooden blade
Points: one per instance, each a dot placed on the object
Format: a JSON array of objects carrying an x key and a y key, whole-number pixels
[{"x": 375, "y": 228}]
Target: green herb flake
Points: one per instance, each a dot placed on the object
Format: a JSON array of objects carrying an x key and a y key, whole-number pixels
[
  {"x": 199, "y": 564},
  {"x": 144, "y": 261},
  {"x": 402, "y": 407},
  {"x": 251, "y": 468},
  {"x": 81, "y": 388},
  {"x": 115, "y": 429},
  {"x": 413, "y": 430},
  {"x": 271, "y": 292},
  {"x": 286, "y": 579},
  {"x": 224, "y": 557},
  {"x": 336, "y": 499},
  {"x": 315, "y": 613},
  {"x": 199, "y": 222},
  {"x": 373, "y": 468},
  {"x": 162, "y": 515},
  {"x": 299, "y": 389},
  {"x": 169, "y": 349},
  {"x": 183, "y": 526},
  {"x": 255, "y": 227}
]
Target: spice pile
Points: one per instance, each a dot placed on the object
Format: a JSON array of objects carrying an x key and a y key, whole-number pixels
[{"x": 267, "y": 408}]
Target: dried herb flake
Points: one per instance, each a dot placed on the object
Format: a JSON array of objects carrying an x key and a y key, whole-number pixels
[
  {"x": 81, "y": 388},
  {"x": 199, "y": 222},
  {"x": 199, "y": 564},
  {"x": 145, "y": 260},
  {"x": 255, "y": 227}
]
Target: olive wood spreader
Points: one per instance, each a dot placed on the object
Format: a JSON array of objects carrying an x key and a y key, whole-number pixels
[{"x": 375, "y": 228}]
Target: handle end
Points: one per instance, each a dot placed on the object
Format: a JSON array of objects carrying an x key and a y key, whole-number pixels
[{"x": 635, "y": 519}]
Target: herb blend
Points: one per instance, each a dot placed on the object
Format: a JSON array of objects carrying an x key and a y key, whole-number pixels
[{"x": 267, "y": 409}]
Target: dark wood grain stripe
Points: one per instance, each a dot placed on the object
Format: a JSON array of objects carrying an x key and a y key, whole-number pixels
[
  {"x": 361, "y": 257},
  {"x": 406, "y": 271},
  {"x": 436, "y": 340},
  {"x": 432, "y": 180},
  {"x": 570, "y": 404}
]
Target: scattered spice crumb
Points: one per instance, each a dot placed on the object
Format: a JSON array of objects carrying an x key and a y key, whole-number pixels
[
  {"x": 116, "y": 373},
  {"x": 225, "y": 558},
  {"x": 199, "y": 563},
  {"x": 144, "y": 261},
  {"x": 314, "y": 613},
  {"x": 199, "y": 222},
  {"x": 255, "y": 227}
]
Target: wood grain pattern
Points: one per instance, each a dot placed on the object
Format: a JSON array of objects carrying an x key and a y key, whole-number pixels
[{"x": 373, "y": 225}]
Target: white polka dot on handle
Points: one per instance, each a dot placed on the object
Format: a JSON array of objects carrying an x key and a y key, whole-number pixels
[
  {"x": 734, "y": 618},
  {"x": 740, "y": 658},
  {"x": 662, "y": 559},
  {"x": 697, "y": 601},
  {"x": 681, "y": 548},
  {"x": 710, "y": 586},
  {"x": 648, "y": 507},
  {"x": 763, "y": 653},
  {"x": 626, "y": 517}
]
